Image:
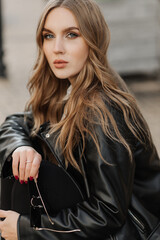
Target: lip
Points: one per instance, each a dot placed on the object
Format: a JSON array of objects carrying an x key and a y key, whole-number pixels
[{"x": 59, "y": 63}]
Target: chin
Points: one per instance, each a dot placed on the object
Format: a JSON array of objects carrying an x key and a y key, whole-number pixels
[{"x": 61, "y": 77}]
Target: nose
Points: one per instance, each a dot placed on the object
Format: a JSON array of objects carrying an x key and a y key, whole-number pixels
[{"x": 58, "y": 46}]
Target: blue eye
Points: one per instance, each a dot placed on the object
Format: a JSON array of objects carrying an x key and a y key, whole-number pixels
[
  {"x": 72, "y": 35},
  {"x": 48, "y": 36}
]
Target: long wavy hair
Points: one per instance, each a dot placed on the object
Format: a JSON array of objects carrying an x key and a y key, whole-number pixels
[{"x": 95, "y": 85}]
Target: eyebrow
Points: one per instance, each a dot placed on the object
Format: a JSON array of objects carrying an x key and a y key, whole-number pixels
[{"x": 65, "y": 30}]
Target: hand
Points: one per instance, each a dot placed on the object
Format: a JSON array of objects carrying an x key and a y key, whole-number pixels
[
  {"x": 8, "y": 226},
  {"x": 25, "y": 164}
]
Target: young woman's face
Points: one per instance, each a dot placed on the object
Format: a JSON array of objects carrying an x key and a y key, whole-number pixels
[{"x": 64, "y": 47}]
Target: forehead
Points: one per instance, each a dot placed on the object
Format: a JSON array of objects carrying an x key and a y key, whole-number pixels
[{"x": 60, "y": 18}]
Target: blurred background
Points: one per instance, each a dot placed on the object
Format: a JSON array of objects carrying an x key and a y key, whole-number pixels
[{"x": 134, "y": 52}]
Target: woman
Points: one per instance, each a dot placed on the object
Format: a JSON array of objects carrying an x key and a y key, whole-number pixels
[{"x": 81, "y": 125}]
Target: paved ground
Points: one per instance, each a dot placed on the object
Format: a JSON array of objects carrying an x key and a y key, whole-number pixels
[{"x": 20, "y": 19}]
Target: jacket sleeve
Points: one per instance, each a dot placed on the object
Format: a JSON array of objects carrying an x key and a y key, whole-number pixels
[
  {"x": 110, "y": 182},
  {"x": 14, "y": 132}
]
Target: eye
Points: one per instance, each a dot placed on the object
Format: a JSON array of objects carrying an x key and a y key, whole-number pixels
[
  {"x": 72, "y": 35},
  {"x": 48, "y": 36}
]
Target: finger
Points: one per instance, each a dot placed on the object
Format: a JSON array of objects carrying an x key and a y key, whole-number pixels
[
  {"x": 15, "y": 164},
  {"x": 22, "y": 166},
  {"x": 37, "y": 175},
  {"x": 31, "y": 153},
  {"x": 35, "y": 166},
  {"x": 27, "y": 170}
]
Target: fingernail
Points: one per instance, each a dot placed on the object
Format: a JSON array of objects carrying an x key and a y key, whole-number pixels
[
  {"x": 26, "y": 182},
  {"x": 21, "y": 182},
  {"x": 31, "y": 178},
  {"x": 16, "y": 177}
]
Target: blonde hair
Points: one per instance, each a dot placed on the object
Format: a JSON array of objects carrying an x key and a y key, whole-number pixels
[{"x": 95, "y": 85}]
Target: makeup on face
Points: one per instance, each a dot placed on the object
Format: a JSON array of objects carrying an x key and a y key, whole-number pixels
[{"x": 64, "y": 47}]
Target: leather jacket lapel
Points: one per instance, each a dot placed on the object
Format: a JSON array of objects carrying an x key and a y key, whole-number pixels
[{"x": 50, "y": 140}]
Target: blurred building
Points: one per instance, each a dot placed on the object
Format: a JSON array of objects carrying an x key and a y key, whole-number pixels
[{"x": 135, "y": 34}]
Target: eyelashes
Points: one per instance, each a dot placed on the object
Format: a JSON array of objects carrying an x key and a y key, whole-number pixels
[
  {"x": 47, "y": 36},
  {"x": 70, "y": 35}
]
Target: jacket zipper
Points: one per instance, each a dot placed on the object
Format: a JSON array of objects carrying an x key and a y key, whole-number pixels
[
  {"x": 137, "y": 221},
  {"x": 56, "y": 231}
]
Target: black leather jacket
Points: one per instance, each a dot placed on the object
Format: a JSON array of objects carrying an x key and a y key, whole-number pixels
[{"x": 123, "y": 197}]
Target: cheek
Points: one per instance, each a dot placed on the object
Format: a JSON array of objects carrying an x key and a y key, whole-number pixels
[
  {"x": 46, "y": 52},
  {"x": 82, "y": 55}
]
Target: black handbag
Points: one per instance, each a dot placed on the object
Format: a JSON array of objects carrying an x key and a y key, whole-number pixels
[{"x": 54, "y": 190}]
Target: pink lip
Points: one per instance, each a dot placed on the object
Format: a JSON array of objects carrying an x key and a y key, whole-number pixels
[{"x": 60, "y": 63}]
